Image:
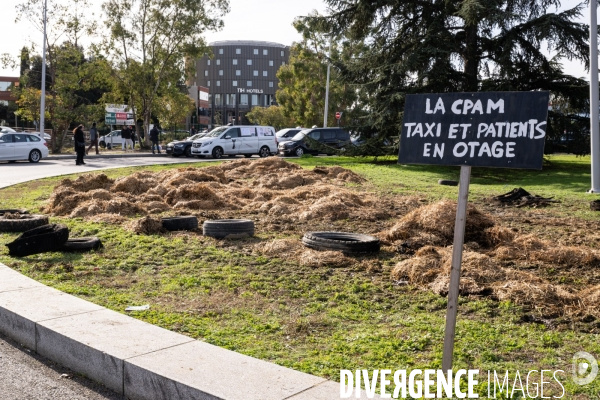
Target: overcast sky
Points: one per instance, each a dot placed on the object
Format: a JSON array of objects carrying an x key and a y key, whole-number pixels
[{"x": 268, "y": 20}]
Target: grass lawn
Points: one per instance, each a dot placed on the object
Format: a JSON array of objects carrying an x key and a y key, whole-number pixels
[{"x": 321, "y": 319}]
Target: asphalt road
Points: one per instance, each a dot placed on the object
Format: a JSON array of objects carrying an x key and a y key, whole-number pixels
[
  {"x": 26, "y": 376},
  {"x": 23, "y": 171}
]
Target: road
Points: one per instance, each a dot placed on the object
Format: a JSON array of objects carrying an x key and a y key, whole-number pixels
[
  {"x": 26, "y": 376},
  {"x": 11, "y": 174}
]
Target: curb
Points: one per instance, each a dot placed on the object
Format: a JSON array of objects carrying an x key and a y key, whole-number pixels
[
  {"x": 136, "y": 359},
  {"x": 132, "y": 155}
]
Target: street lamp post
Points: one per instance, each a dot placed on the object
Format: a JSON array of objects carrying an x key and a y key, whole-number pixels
[
  {"x": 327, "y": 89},
  {"x": 594, "y": 135},
  {"x": 43, "y": 97}
]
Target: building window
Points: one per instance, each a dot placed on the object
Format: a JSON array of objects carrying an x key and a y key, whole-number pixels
[
  {"x": 220, "y": 51},
  {"x": 249, "y": 62},
  {"x": 243, "y": 99},
  {"x": 255, "y": 52},
  {"x": 234, "y": 83},
  {"x": 220, "y": 72},
  {"x": 283, "y": 63},
  {"x": 235, "y": 61},
  {"x": 255, "y": 73},
  {"x": 218, "y": 62},
  {"x": 270, "y": 84},
  {"x": 218, "y": 83},
  {"x": 218, "y": 100},
  {"x": 270, "y": 63},
  {"x": 208, "y": 62},
  {"x": 230, "y": 99},
  {"x": 207, "y": 83},
  {"x": 238, "y": 72},
  {"x": 254, "y": 99},
  {"x": 249, "y": 83},
  {"x": 281, "y": 53},
  {"x": 205, "y": 72},
  {"x": 264, "y": 73},
  {"x": 238, "y": 51},
  {"x": 265, "y": 52}
]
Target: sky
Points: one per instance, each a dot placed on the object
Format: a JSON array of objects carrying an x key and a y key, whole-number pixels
[{"x": 267, "y": 20}]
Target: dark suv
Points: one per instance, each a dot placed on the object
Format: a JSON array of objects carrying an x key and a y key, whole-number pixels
[{"x": 299, "y": 145}]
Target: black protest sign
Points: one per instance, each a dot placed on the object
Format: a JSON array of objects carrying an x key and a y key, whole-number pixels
[{"x": 487, "y": 129}]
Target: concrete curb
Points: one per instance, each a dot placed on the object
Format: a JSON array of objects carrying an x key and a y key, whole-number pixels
[
  {"x": 137, "y": 359},
  {"x": 132, "y": 155}
]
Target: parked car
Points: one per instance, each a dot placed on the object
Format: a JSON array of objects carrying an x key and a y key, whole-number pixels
[
  {"x": 285, "y": 135},
  {"x": 299, "y": 145},
  {"x": 183, "y": 147},
  {"x": 233, "y": 140},
  {"x": 6, "y": 129},
  {"x": 113, "y": 139},
  {"x": 16, "y": 146}
]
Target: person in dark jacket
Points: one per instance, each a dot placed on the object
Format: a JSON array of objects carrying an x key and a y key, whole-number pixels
[
  {"x": 79, "y": 139},
  {"x": 126, "y": 136},
  {"x": 154, "y": 139}
]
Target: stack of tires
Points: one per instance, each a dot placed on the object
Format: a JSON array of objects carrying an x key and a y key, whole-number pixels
[{"x": 39, "y": 236}]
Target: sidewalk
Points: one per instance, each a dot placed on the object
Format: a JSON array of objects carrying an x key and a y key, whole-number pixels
[{"x": 111, "y": 154}]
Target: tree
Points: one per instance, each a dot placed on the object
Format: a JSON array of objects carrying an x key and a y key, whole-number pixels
[
  {"x": 302, "y": 81},
  {"x": 149, "y": 42},
  {"x": 270, "y": 116},
  {"x": 447, "y": 46},
  {"x": 172, "y": 107}
]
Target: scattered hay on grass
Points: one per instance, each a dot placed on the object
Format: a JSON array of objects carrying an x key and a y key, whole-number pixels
[
  {"x": 88, "y": 182},
  {"x": 439, "y": 219},
  {"x": 280, "y": 247},
  {"x": 313, "y": 258},
  {"x": 147, "y": 225},
  {"x": 114, "y": 219}
]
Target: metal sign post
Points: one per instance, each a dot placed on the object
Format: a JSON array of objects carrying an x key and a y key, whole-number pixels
[{"x": 487, "y": 129}]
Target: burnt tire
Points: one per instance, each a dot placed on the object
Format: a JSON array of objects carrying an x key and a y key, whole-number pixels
[
  {"x": 82, "y": 244},
  {"x": 39, "y": 240},
  {"x": 595, "y": 205},
  {"x": 183, "y": 223},
  {"x": 13, "y": 211},
  {"x": 24, "y": 223},
  {"x": 448, "y": 182},
  {"x": 341, "y": 241},
  {"x": 228, "y": 228}
]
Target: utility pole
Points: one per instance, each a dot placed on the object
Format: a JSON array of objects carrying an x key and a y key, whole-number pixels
[
  {"x": 594, "y": 135},
  {"x": 327, "y": 88},
  {"x": 43, "y": 98}
]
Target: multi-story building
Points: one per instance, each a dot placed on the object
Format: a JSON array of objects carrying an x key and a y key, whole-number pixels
[
  {"x": 239, "y": 75},
  {"x": 6, "y": 84}
]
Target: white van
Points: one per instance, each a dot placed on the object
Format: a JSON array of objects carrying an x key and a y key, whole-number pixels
[{"x": 234, "y": 140}]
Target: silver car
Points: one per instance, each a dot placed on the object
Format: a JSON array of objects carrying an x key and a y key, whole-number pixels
[{"x": 16, "y": 146}]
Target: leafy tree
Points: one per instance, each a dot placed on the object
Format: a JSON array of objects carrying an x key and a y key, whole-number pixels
[
  {"x": 447, "y": 46},
  {"x": 302, "y": 82},
  {"x": 270, "y": 116},
  {"x": 170, "y": 109},
  {"x": 148, "y": 43}
]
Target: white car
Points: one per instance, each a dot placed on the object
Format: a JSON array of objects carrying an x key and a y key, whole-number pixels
[
  {"x": 16, "y": 146},
  {"x": 234, "y": 140},
  {"x": 111, "y": 140}
]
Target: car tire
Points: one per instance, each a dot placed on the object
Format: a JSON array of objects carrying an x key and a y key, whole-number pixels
[
  {"x": 24, "y": 223},
  {"x": 13, "y": 211},
  {"x": 102, "y": 144},
  {"x": 217, "y": 153},
  {"x": 188, "y": 151},
  {"x": 341, "y": 241},
  {"x": 108, "y": 146},
  {"x": 228, "y": 228},
  {"x": 299, "y": 152},
  {"x": 183, "y": 223},
  {"x": 82, "y": 244},
  {"x": 39, "y": 240},
  {"x": 264, "y": 152},
  {"x": 35, "y": 156},
  {"x": 447, "y": 182}
]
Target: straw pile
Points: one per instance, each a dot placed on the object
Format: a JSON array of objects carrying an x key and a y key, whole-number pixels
[
  {"x": 272, "y": 187},
  {"x": 146, "y": 225},
  {"x": 438, "y": 220}
]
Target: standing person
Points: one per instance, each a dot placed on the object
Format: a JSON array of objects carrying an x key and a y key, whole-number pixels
[
  {"x": 126, "y": 136},
  {"x": 154, "y": 139},
  {"x": 79, "y": 139},
  {"x": 133, "y": 136},
  {"x": 93, "y": 139},
  {"x": 192, "y": 131}
]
